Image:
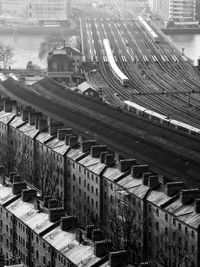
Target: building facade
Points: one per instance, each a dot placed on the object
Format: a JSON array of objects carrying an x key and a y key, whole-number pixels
[
  {"x": 179, "y": 12},
  {"x": 133, "y": 205},
  {"x": 45, "y": 12}
]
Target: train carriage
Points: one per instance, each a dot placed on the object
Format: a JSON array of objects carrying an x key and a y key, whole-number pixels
[
  {"x": 184, "y": 127},
  {"x": 156, "y": 117},
  {"x": 133, "y": 107},
  {"x": 149, "y": 30},
  {"x": 111, "y": 60}
]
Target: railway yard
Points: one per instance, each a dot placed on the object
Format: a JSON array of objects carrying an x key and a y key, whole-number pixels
[
  {"x": 159, "y": 77},
  {"x": 151, "y": 90}
]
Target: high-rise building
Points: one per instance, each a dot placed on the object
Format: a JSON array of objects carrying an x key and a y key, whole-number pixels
[
  {"x": 36, "y": 10},
  {"x": 180, "y": 12}
]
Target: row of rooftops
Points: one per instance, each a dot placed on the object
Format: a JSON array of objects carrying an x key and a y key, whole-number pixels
[
  {"x": 82, "y": 248},
  {"x": 136, "y": 179}
]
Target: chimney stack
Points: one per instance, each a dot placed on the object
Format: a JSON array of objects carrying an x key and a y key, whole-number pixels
[
  {"x": 95, "y": 151},
  {"x": 153, "y": 181},
  {"x": 101, "y": 248},
  {"x": 18, "y": 187},
  {"x": 25, "y": 113},
  {"x": 27, "y": 194},
  {"x": 125, "y": 164},
  {"x": 197, "y": 206},
  {"x": 54, "y": 126},
  {"x": 173, "y": 188},
  {"x": 56, "y": 214},
  {"x": 62, "y": 132},
  {"x": 89, "y": 230},
  {"x": 32, "y": 116},
  {"x": 97, "y": 235},
  {"x": 189, "y": 194},
  {"x": 109, "y": 160},
  {"x": 118, "y": 257},
  {"x": 8, "y": 105},
  {"x": 145, "y": 178},
  {"x": 68, "y": 222},
  {"x": 53, "y": 203},
  {"x": 73, "y": 140},
  {"x": 85, "y": 145},
  {"x": 42, "y": 125},
  {"x": 138, "y": 170},
  {"x": 11, "y": 175}
]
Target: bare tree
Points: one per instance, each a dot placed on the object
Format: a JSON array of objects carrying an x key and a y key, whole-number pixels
[
  {"x": 6, "y": 56},
  {"x": 46, "y": 176},
  {"x": 173, "y": 252},
  {"x": 125, "y": 225},
  {"x": 8, "y": 154},
  {"x": 50, "y": 43}
]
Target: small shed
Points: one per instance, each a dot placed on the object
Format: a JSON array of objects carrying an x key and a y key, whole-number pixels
[{"x": 87, "y": 89}]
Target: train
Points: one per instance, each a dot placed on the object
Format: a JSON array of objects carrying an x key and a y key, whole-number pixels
[
  {"x": 115, "y": 69},
  {"x": 2, "y": 77},
  {"x": 151, "y": 33},
  {"x": 160, "y": 118}
]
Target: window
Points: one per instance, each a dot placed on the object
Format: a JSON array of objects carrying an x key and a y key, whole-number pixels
[
  {"x": 96, "y": 191},
  {"x": 44, "y": 260},
  {"x": 157, "y": 226},
  {"x": 157, "y": 212},
  {"x": 79, "y": 180},
  {"x": 193, "y": 236},
  {"x": 186, "y": 230},
  {"x": 96, "y": 179},
  {"x": 179, "y": 226},
  {"x": 166, "y": 231},
  {"x": 150, "y": 222},
  {"x": 150, "y": 235},
  {"x": 174, "y": 221},
  {"x": 192, "y": 248},
  {"x": 149, "y": 208},
  {"x": 166, "y": 217},
  {"x": 157, "y": 241}
]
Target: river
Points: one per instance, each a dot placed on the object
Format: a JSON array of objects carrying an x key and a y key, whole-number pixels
[
  {"x": 190, "y": 43},
  {"x": 26, "y": 47}
]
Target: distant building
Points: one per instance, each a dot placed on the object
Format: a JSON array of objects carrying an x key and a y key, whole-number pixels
[
  {"x": 63, "y": 62},
  {"x": 86, "y": 89},
  {"x": 45, "y": 12},
  {"x": 181, "y": 13}
]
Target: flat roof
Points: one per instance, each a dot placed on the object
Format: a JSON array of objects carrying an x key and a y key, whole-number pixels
[
  {"x": 65, "y": 242},
  {"x": 24, "y": 211}
]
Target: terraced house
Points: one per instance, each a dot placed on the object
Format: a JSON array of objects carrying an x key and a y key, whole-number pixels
[{"x": 138, "y": 210}]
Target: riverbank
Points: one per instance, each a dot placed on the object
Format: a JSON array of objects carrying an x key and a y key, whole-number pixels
[
  {"x": 38, "y": 30},
  {"x": 170, "y": 31}
]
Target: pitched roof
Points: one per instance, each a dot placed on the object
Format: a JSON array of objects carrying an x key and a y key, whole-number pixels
[{"x": 85, "y": 86}]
